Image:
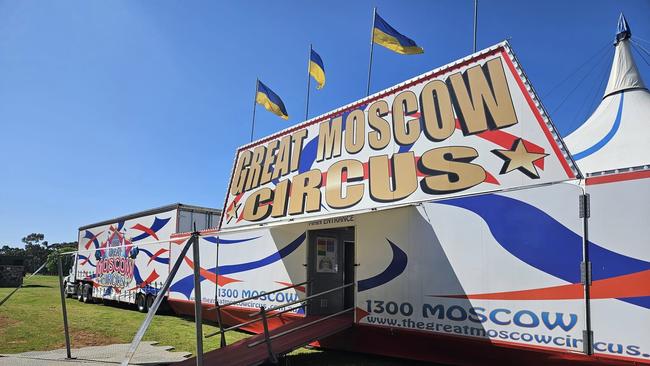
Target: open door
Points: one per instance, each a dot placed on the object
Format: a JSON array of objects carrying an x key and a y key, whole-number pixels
[{"x": 330, "y": 264}]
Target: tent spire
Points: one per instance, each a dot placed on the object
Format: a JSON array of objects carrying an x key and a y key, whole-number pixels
[
  {"x": 624, "y": 75},
  {"x": 623, "y": 29}
]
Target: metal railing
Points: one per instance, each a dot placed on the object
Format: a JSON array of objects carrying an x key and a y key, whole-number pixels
[{"x": 263, "y": 316}]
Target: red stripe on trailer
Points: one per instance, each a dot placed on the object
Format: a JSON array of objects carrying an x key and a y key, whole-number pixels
[
  {"x": 618, "y": 177},
  {"x": 459, "y": 350}
]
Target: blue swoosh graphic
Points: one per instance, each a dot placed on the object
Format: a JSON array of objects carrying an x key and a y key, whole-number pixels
[
  {"x": 396, "y": 266},
  {"x": 290, "y": 248},
  {"x": 218, "y": 240},
  {"x": 600, "y": 144},
  {"x": 90, "y": 235},
  {"x": 185, "y": 285},
  {"x": 157, "y": 225},
  {"x": 157, "y": 259},
  {"x": 539, "y": 240},
  {"x": 82, "y": 257}
]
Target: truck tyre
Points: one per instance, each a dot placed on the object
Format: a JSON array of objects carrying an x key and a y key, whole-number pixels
[
  {"x": 87, "y": 293},
  {"x": 79, "y": 291},
  {"x": 150, "y": 300},
  {"x": 65, "y": 289},
  {"x": 141, "y": 303}
]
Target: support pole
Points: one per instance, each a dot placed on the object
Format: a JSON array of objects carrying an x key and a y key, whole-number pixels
[
  {"x": 257, "y": 84},
  {"x": 154, "y": 307},
  {"x": 475, "y": 22},
  {"x": 587, "y": 334},
  {"x": 372, "y": 46},
  {"x": 267, "y": 338},
  {"x": 197, "y": 297},
  {"x": 216, "y": 298},
  {"x": 308, "y": 82},
  {"x": 63, "y": 308}
]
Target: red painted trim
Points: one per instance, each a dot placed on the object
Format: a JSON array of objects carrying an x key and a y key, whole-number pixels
[
  {"x": 538, "y": 116},
  {"x": 618, "y": 177},
  {"x": 460, "y": 350}
]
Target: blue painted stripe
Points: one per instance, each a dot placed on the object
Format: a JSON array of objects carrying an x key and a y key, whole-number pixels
[
  {"x": 395, "y": 268},
  {"x": 600, "y": 144},
  {"x": 216, "y": 239}
]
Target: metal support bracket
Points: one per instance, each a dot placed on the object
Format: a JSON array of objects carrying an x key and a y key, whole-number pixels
[
  {"x": 588, "y": 342},
  {"x": 584, "y": 206},
  {"x": 585, "y": 273}
]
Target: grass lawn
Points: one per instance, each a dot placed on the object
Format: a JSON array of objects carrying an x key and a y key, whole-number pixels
[{"x": 31, "y": 321}]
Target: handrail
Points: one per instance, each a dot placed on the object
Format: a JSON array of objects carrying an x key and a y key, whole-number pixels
[
  {"x": 305, "y": 299},
  {"x": 288, "y": 331},
  {"x": 219, "y": 306},
  {"x": 264, "y": 317},
  {"x": 253, "y": 321}
]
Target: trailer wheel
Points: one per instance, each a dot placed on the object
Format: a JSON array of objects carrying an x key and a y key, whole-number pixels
[
  {"x": 150, "y": 300},
  {"x": 141, "y": 303},
  {"x": 65, "y": 290},
  {"x": 79, "y": 291},
  {"x": 87, "y": 293}
]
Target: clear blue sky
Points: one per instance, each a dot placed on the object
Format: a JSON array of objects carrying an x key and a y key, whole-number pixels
[{"x": 111, "y": 107}]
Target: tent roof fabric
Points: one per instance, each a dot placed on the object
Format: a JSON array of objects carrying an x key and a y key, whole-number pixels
[{"x": 616, "y": 136}]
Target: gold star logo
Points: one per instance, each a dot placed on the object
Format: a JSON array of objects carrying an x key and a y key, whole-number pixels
[
  {"x": 233, "y": 212},
  {"x": 518, "y": 157}
]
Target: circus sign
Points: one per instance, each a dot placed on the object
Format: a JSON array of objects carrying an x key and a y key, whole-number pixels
[{"x": 472, "y": 126}]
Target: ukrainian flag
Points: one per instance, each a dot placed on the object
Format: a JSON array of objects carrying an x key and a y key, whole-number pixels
[
  {"x": 271, "y": 101},
  {"x": 385, "y": 35},
  {"x": 317, "y": 69}
]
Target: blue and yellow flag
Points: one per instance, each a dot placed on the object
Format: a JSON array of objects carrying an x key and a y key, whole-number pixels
[
  {"x": 317, "y": 69},
  {"x": 385, "y": 35},
  {"x": 271, "y": 101}
]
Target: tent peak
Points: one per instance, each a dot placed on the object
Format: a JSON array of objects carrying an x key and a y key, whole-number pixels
[
  {"x": 624, "y": 74},
  {"x": 622, "y": 29}
]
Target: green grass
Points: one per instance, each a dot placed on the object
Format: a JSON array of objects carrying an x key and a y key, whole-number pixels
[{"x": 31, "y": 321}]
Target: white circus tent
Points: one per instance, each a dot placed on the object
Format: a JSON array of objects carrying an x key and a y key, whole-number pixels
[{"x": 616, "y": 137}]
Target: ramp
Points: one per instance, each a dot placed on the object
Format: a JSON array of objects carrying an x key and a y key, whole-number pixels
[{"x": 255, "y": 349}]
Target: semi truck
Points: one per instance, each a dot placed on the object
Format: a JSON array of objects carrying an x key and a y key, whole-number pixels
[{"x": 126, "y": 259}]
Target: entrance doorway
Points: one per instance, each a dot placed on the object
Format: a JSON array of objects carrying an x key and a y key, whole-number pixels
[{"x": 330, "y": 264}]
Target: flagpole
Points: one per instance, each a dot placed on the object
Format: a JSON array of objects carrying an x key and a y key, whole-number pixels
[
  {"x": 257, "y": 84},
  {"x": 372, "y": 46},
  {"x": 308, "y": 82},
  {"x": 475, "y": 21}
]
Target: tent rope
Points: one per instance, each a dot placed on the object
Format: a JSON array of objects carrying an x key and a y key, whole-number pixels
[{"x": 575, "y": 71}]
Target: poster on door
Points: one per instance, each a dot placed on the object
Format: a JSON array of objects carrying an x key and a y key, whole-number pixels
[{"x": 326, "y": 255}]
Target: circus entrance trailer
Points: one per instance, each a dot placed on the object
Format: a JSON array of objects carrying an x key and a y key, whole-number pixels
[{"x": 456, "y": 213}]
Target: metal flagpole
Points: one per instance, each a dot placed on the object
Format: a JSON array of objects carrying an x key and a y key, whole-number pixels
[
  {"x": 372, "y": 46},
  {"x": 308, "y": 81},
  {"x": 475, "y": 21},
  {"x": 257, "y": 84}
]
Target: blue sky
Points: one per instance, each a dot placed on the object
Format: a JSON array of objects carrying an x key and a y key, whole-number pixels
[{"x": 111, "y": 107}]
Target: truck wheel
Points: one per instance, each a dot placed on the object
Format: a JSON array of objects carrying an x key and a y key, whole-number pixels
[
  {"x": 87, "y": 293},
  {"x": 141, "y": 303},
  {"x": 79, "y": 291},
  {"x": 65, "y": 290},
  {"x": 150, "y": 300}
]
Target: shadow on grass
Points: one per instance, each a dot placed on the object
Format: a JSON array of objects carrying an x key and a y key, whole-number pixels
[
  {"x": 329, "y": 357},
  {"x": 36, "y": 286}
]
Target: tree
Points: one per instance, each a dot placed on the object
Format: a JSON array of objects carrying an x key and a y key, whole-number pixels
[
  {"x": 67, "y": 261},
  {"x": 36, "y": 251}
]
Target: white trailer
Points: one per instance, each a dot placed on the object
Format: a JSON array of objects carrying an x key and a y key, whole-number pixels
[
  {"x": 453, "y": 206},
  {"x": 126, "y": 259}
]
